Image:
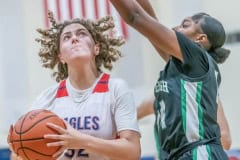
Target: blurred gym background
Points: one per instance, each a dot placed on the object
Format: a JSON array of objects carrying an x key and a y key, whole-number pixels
[{"x": 22, "y": 78}]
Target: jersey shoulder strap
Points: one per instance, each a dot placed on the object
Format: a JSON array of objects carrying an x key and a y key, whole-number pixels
[
  {"x": 62, "y": 90},
  {"x": 102, "y": 84}
]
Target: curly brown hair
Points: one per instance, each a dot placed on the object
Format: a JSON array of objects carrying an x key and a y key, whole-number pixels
[{"x": 50, "y": 40}]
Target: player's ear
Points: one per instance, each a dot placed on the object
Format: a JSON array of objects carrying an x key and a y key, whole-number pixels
[
  {"x": 201, "y": 38},
  {"x": 96, "y": 49}
]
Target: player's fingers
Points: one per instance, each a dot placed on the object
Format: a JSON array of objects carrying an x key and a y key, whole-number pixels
[
  {"x": 54, "y": 136},
  {"x": 66, "y": 124},
  {"x": 13, "y": 154},
  {"x": 10, "y": 147},
  {"x": 57, "y": 128},
  {"x": 15, "y": 157},
  {"x": 19, "y": 158},
  {"x": 59, "y": 152},
  {"x": 8, "y": 138},
  {"x": 58, "y": 143}
]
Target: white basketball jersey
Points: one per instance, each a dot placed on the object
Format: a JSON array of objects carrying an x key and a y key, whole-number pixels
[{"x": 101, "y": 110}]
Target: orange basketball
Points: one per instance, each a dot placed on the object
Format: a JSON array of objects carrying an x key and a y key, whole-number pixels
[{"x": 27, "y": 134}]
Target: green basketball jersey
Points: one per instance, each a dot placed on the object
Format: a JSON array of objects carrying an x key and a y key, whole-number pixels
[{"x": 186, "y": 97}]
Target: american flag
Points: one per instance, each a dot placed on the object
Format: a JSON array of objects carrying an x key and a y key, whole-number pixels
[{"x": 91, "y": 9}]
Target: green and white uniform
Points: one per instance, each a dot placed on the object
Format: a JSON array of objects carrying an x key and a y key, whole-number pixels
[{"x": 186, "y": 102}]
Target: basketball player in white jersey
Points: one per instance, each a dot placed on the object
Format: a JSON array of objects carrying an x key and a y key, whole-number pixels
[{"x": 99, "y": 109}]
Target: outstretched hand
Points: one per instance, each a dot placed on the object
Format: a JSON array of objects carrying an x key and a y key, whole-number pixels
[{"x": 68, "y": 138}]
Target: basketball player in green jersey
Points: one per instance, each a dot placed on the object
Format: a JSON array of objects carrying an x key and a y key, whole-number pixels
[
  {"x": 145, "y": 108},
  {"x": 186, "y": 94}
]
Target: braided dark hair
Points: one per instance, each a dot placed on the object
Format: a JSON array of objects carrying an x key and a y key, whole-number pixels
[
  {"x": 216, "y": 36},
  {"x": 50, "y": 40}
]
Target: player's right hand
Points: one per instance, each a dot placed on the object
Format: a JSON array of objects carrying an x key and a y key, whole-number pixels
[{"x": 14, "y": 156}]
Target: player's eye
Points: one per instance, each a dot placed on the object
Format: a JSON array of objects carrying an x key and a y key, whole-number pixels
[
  {"x": 185, "y": 24},
  {"x": 81, "y": 33},
  {"x": 66, "y": 37}
]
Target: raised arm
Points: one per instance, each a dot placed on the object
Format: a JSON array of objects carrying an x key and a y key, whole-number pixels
[
  {"x": 226, "y": 139},
  {"x": 145, "y": 4},
  {"x": 149, "y": 9},
  {"x": 144, "y": 22}
]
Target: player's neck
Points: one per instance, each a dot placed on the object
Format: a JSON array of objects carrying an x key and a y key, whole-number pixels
[{"x": 83, "y": 80}]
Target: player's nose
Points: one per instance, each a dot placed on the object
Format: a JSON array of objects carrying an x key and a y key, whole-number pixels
[{"x": 74, "y": 39}]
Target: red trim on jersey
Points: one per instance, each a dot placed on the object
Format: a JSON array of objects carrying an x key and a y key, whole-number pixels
[
  {"x": 124, "y": 29},
  {"x": 45, "y": 4},
  {"x": 59, "y": 13},
  {"x": 70, "y": 9},
  {"x": 108, "y": 7},
  {"x": 96, "y": 9},
  {"x": 62, "y": 90},
  {"x": 102, "y": 85},
  {"x": 83, "y": 8}
]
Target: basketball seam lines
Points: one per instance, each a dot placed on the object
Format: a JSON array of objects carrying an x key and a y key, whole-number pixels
[
  {"x": 28, "y": 139},
  {"x": 20, "y": 132},
  {"x": 20, "y": 137},
  {"x": 28, "y": 130}
]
